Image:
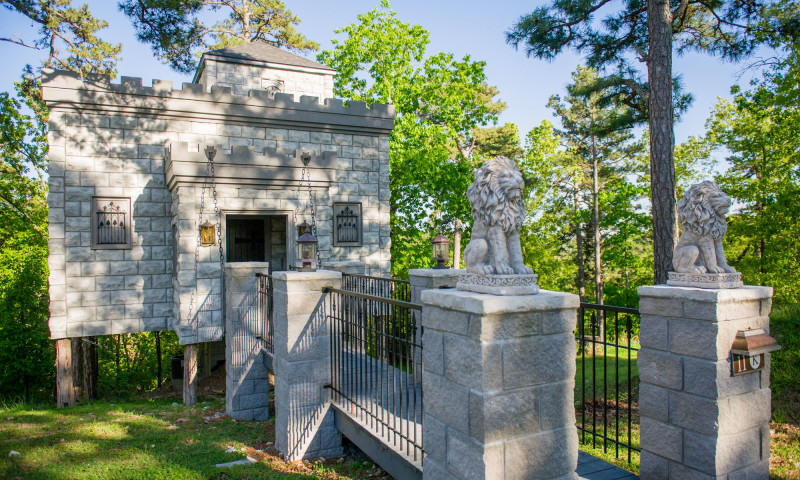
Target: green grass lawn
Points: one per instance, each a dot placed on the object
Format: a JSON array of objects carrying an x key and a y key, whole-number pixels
[
  {"x": 785, "y": 385},
  {"x": 149, "y": 440}
]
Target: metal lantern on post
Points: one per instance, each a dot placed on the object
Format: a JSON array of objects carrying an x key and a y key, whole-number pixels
[
  {"x": 307, "y": 248},
  {"x": 441, "y": 250}
]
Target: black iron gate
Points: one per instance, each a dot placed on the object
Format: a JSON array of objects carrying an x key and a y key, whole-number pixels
[
  {"x": 266, "y": 311},
  {"x": 376, "y": 366},
  {"x": 607, "y": 381}
]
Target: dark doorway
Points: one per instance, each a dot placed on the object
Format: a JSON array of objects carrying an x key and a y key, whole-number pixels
[{"x": 257, "y": 238}]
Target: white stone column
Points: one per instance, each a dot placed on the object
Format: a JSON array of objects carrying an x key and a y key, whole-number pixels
[
  {"x": 304, "y": 425},
  {"x": 246, "y": 375},
  {"x": 498, "y": 380},
  {"x": 697, "y": 420},
  {"x": 431, "y": 278}
]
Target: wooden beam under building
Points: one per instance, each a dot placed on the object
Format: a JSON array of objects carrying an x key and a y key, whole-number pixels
[
  {"x": 65, "y": 393},
  {"x": 190, "y": 374}
]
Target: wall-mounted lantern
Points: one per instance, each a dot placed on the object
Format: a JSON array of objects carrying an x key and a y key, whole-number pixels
[
  {"x": 441, "y": 250},
  {"x": 749, "y": 347},
  {"x": 307, "y": 247},
  {"x": 208, "y": 234}
]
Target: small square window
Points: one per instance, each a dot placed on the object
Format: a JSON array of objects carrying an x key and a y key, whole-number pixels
[
  {"x": 111, "y": 223},
  {"x": 347, "y": 225}
]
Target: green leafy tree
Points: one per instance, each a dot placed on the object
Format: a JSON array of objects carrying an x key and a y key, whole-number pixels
[
  {"x": 67, "y": 36},
  {"x": 176, "y": 33},
  {"x": 597, "y": 143},
  {"x": 547, "y": 233},
  {"x": 633, "y": 46},
  {"x": 439, "y": 101},
  {"x": 25, "y": 352},
  {"x": 759, "y": 129}
]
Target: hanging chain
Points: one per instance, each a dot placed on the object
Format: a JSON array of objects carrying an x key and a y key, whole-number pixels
[
  {"x": 306, "y": 158},
  {"x": 210, "y": 152}
]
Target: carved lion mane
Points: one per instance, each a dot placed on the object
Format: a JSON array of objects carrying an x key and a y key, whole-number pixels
[
  {"x": 697, "y": 210},
  {"x": 498, "y": 211},
  {"x": 701, "y": 212},
  {"x": 496, "y": 194}
]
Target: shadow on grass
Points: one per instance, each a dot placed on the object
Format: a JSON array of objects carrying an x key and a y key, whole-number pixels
[{"x": 138, "y": 440}]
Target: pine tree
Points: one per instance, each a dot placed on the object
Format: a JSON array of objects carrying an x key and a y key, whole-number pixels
[
  {"x": 176, "y": 33},
  {"x": 644, "y": 33}
]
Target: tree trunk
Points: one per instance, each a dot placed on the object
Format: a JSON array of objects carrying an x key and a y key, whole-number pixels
[
  {"x": 246, "y": 20},
  {"x": 598, "y": 268},
  {"x": 190, "y": 374},
  {"x": 158, "y": 356},
  {"x": 662, "y": 138},
  {"x": 77, "y": 358},
  {"x": 579, "y": 245},
  {"x": 65, "y": 394},
  {"x": 87, "y": 357},
  {"x": 457, "y": 244}
]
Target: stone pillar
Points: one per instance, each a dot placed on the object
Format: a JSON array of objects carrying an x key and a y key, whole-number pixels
[
  {"x": 303, "y": 418},
  {"x": 246, "y": 374},
  {"x": 697, "y": 420},
  {"x": 428, "y": 278},
  {"x": 499, "y": 377}
]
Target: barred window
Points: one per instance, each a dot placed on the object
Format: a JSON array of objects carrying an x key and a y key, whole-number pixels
[
  {"x": 347, "y": 224},
  {"x": 111, "y": 223}
]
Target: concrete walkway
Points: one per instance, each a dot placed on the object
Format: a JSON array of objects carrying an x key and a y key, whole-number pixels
[{"x": 592, "y": 468}]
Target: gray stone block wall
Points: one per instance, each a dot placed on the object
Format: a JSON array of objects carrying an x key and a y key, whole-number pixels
[
  {"x": 247, "y": 377},
  {"x": 111, "y": 140},
  {"x": 304, "y": 420},
  {"x": 431, "y": 278},
  {"x": 499, "y": 377},
  {"x": 697, "y": 420},
  {"x": 242, "y": 78},
  {"x": 100, "y": 292}
]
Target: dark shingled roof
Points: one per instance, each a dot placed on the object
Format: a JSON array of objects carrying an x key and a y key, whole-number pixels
[{"x": 264, "y": 52}]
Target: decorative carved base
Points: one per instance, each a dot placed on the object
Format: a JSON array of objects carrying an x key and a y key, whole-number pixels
[
  {"x": 705, "y": 280},
  {"x": 499, "y": 284}
]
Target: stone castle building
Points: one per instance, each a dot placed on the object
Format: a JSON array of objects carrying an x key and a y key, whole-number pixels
[{"x": 127, "y": 170}]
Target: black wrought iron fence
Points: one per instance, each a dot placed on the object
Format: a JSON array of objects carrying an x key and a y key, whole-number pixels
[
  {"x": 376, "y": 365},
  {"x": 266, "y": 311},
  {"x": 607, "y": 379},
  {"x": 385, "y": 287}
]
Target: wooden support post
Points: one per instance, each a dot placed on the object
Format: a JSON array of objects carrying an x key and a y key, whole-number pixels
[
  {"x": 190, "y": 374},
  {"x": 89, "y": 373},
  {"x": 65, "y": 395}
]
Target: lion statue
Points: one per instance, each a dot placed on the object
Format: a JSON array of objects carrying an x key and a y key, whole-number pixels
[
  {"x": 498, "y": 211},
  {"x": 701, "y": 213}
]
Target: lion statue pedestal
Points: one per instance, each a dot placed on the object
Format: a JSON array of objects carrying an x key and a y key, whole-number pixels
[
  {"x": 699, "y": 258},
  {"x": 493, "y": 257}
]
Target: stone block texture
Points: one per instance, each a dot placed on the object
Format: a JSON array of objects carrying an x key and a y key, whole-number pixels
[
  {"x": 499, "y": 375},
  {"x": 242, "y": 78},
  {"x": 112, "y": 140},
  {"x": 431, "y": 278},
  {"x": 304, "y": 419},
  {"x": 697, "y": 420},
  {"x": 247, "y": 377}
]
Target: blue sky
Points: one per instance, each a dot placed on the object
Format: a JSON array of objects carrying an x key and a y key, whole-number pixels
[{"x": 461, "y": 27}]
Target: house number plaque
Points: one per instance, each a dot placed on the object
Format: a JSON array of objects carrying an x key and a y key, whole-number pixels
[{"x": 747, "y": 363}]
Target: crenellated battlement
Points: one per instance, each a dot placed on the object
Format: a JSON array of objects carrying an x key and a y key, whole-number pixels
[{"x": 96, "y": 84}]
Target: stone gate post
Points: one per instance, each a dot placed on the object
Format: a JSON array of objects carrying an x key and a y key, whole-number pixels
[
  {"x": 499, "y": 377},
  {"x": 246, "y": 376},
  {"x": 431, "y": 278},
  {"x": 304, "y": 425},
  {"x": 697, "y": 420}
]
